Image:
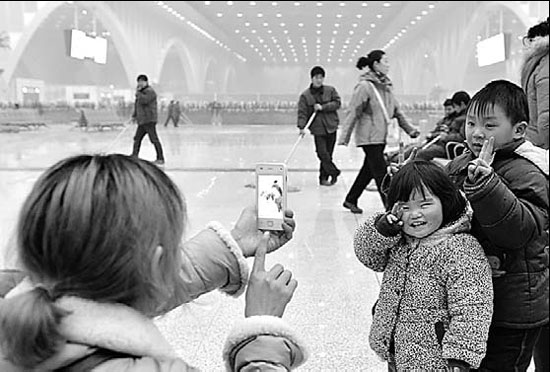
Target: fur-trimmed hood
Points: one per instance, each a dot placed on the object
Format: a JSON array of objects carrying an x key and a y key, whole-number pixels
[{"x": 540, "y": 48}]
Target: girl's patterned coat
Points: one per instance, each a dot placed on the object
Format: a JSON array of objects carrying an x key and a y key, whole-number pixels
[{"x": 436, "y": 297}]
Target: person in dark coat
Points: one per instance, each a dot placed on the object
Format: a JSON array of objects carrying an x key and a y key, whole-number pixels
[
  {"x": 145, "y": 115},
  {"x": 455, "y": 131},
  {"x": 508, "y": 191},
  {"x": 325, "y": 102}
]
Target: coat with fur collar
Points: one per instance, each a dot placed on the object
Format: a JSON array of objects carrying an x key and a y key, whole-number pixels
[
  {"x": 436, "y": 297},
  {"x": 211, "y": 260},
  {"x": 534, "y": 80}
]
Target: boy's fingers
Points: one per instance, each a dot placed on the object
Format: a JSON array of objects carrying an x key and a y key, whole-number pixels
[{"x": 259, "y": 258}]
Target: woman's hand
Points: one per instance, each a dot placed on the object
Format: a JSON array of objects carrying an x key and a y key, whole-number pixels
[
  {"x": 248, "y": 237},
  {"x": 268, "y": 293}
]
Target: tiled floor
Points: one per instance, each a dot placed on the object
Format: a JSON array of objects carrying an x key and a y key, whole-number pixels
[{"x": 331, "y": 307}]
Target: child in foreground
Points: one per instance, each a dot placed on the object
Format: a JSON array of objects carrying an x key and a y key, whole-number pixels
[{"x": 436, "y": 298}]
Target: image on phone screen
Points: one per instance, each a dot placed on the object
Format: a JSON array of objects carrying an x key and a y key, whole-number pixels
[{"x": 270, "y": 196}]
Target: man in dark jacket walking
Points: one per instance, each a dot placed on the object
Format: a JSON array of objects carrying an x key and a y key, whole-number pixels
[
  {"x": 145, "y": 115},
  {"x": 325, "y": 101}
]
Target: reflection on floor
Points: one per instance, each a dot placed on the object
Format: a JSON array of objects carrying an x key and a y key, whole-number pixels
[{"x": 331, "y": 307}]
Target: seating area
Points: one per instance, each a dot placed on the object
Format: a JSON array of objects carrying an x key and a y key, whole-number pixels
[
  {"x": 99, "y": 120},
  {"x": 14, "y": 120}
]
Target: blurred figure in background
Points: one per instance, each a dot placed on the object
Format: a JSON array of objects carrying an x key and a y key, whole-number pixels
[
  {"x": 325, "y": 102},
  {"x": 371, "y": 108},
  {"x": 534, "y": 81},
  {"x": 145, "y": 115}
]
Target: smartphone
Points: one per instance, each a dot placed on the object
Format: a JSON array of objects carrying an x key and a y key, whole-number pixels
[{"x": 271, "y": 186}]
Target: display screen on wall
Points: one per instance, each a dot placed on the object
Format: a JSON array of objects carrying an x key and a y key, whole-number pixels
[
  {"x": 81, "y": 95},
  {"x": 80, "y": 46},
  {"x": 492, "y": 50}
]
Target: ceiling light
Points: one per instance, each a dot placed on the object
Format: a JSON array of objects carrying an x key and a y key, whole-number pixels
[
  {"x": 318, "y": 24},
  {"x": 386, "y": 5},
  {"x": 372, "y": 25},
  {"x": 219, "y": 14},
  {"x": 274, "y": 3},
  {"x": 359, "y": 15},
  {"x": 419, "y": 17},
  {"x": 319, "y": 4},
  {"x": 279, "y": 15},
  {"x": 379, "y": 16},
  {"x": 338, "y": 16},
  {"x": 431, "y": 6},
  {"x": 342, "y": 4},
  {"x": 239, "y": 15},
  {"x": 252, "y": 3},
  {"x": 413, "y": 22},
  {"x": 229, "y": 3},
  {"x": 260, "y": 15},
  {"x": 207, "y": 3},
  {"x": 424, "y": 12},
  {"x": 247, "y": 24},
  {"x": 354, "y": 25},
  {"x": 319, "y": 15},
  {"x": 282, "y": 24},
  {"x": 296, "y": 4},
  {"x": 265, "y": 24}
]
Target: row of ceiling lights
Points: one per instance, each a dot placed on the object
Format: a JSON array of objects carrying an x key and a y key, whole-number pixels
[
  {"x": 412, "y": 23},
  {"x": 197, "y": 28},
  {"x": 289, "y": 41}
]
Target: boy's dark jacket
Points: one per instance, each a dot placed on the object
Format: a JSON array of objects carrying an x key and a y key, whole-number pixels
[{"x": 511, "y": 223}]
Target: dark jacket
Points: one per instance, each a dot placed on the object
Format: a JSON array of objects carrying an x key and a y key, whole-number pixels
[
  {"x": 511, "y": 223},
  {"x": 534, "y": 80},
  {"x": 145, "y": 107},
  {"x": 326, "y": 121},
  {"x": 457, "y": 128}
]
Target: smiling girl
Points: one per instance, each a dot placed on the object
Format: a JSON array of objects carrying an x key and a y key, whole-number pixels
[{"x": 436, "y": 298}]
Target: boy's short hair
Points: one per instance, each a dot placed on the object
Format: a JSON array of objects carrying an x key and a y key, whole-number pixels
[
  {"x": 460, "y": 97},
  {"x": 507, "y": 95},
  {"x": 317, "y": 70},
  {"x": 412, "y": 176},
  {"x": 142, "y": 77},
  {"x": 448, "y": 102}
]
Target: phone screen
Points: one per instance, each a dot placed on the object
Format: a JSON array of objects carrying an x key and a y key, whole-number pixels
[{"x": 270, "y": 196}]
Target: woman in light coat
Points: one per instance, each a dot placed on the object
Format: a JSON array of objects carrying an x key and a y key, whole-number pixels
[
  {"x": 369, "y": 116},
  {"x": 99, "y": 239},
  {"x": 534, "y": 81}
]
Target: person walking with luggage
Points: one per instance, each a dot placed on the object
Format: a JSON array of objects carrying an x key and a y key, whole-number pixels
[
  {"x": 324, "y": 101},
  {"x": 145, "y": 115}
]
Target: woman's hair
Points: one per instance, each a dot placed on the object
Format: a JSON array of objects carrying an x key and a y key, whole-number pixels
[
  {"x": 420, "y": 174},
  {"x": 90, "y": 228},
  {"x": 540, "y": 29},
  {"x": 373, "y": 56}
]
